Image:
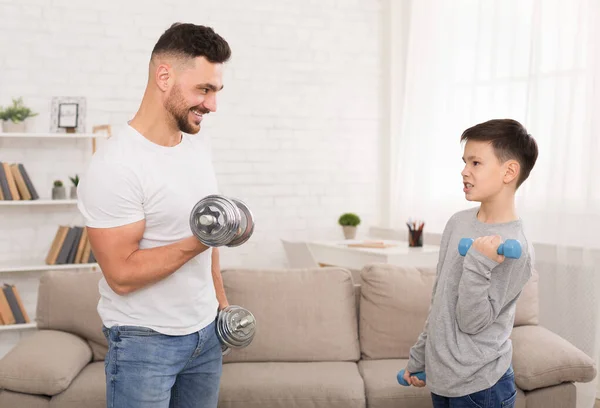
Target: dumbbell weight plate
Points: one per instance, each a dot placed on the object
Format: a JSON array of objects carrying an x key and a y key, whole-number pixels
[
  {"x": 236, "y": 327},
  {"x": 246, "y": 227},
  {"x": 215, "y": 220}
]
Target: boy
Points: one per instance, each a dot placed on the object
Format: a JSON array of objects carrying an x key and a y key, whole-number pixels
[{"x": 465, "y": 346}]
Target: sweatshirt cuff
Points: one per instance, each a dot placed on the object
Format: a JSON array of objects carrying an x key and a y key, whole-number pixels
[
  {"x": 412, "y": 367},
  {"x": 482, "y": 262}
]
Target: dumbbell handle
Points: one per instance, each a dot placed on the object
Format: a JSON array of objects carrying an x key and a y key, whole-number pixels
[
  {"x": 244, "y": 322},
  {"x": 400, "y": 377},
  {"x": 511, "y": 248}
]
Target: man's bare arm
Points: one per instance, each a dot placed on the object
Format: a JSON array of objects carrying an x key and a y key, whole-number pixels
[
  {"x": 126, "y": 267},
  {"x": 218, "y": 279}
]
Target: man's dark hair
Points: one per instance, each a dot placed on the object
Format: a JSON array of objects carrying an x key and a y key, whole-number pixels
[
  {"x": 510, "y": 140},
  {"x": 191, "y": 40}
]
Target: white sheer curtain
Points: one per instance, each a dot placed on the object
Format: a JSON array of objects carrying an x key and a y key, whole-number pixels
[{"x": 536, "y": 61}]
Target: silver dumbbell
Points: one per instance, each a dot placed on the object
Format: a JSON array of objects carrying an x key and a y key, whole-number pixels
[
  {"x": 236, "y": 327},
  {"x": 217, "y": 220}
]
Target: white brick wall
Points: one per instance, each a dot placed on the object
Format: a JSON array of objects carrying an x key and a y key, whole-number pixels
[{"x": 298, "y": 131}]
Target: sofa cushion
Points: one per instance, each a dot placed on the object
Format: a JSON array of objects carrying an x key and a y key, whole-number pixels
[
  {"x": 11, "y": 399},
  {"x": 394, "y": 304},
  {"x": 541, "y": 358},
  {"x": 528, "y": 304},
  {"x": 291, "y": 385},
  {"x": 383, "y": 390},
  {"x": 557, "y": 396},
  {"x": 98, "y": 350},
  {"x": 301, "y": 314},
  {"x": 44, "y": 363},
  {"x": 68, "y": 301},
  {"x": 87, "y": 390}
]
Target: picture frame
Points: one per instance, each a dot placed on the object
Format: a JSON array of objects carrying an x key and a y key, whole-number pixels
[{"x": 68, "y": 114}]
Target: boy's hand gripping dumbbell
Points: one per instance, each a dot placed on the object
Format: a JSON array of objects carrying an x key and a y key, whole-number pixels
[{"x": 511, "y": 248}]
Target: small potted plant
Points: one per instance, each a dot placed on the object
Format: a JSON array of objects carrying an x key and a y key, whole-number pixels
[
  {"x": 75, "y": 181},
  {"x": 13, "y": 117},
  {"x": 58, "y": 191},
  {"x": 349, "y": 222}
]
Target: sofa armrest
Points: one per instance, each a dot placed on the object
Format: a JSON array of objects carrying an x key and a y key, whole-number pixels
[
  {"x": 44, "y": 363},
  {"x": 542, "y": 358}
]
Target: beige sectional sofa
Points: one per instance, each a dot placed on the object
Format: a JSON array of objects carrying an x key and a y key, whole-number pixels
[{"x": 321, "y": 342}]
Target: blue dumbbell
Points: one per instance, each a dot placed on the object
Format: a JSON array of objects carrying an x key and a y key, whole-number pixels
[
  {"x": 511, "y": 248},
  {"x": 400, "y": 377}
]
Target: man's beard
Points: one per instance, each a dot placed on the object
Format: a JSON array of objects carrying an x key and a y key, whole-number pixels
[{"x": 176, "y": 106}]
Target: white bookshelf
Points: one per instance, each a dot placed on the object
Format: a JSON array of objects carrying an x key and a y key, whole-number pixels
[
  {"x": 57, "y": 210},
  {"x": 50, "y": 135},
  {"x": 41, "y": 201},
  {"x": 20, "y": 326},
  {"x": 40, "y": 266}
]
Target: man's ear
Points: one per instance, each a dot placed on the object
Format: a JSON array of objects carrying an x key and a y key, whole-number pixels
[
  {"x": 512, "y": 169},
  {"x": 163, "y": 75}
]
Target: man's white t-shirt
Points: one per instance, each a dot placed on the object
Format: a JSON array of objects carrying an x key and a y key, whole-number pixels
[{"x": 130, "y": 179}]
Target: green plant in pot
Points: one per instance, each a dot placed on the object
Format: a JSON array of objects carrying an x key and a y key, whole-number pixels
[
  {"x": 13, "y": 117},
  {"x": 58, "y": 191},
  {"x": 349, "y": 222},
  {"x": 75, "y": 181}
]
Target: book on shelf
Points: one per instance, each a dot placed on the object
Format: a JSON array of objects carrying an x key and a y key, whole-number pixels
[
  {"x": 12, "y": 310},
  {"x": 15, "y": 183},
  {"x": 70, "y": 246}
]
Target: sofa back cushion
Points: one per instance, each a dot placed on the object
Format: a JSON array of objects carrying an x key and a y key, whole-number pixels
[
  {"x": 528, "y": 304},
  {"x": 301, "y": 314},
  {"x": 394, "y": 303},
  {"x": 67, "y": 301}
]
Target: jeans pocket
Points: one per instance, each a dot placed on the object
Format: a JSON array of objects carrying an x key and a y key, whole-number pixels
[
  {"x": 510, "y": 401},
  {"x": 478, "y": 399},
  {"x": 136, "y": 331}
]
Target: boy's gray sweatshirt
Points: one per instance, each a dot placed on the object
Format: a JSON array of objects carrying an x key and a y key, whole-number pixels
[{"x": 465, "y": 345}]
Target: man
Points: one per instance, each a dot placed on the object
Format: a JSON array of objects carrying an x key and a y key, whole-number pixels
[{"x": 161, "y": 287}]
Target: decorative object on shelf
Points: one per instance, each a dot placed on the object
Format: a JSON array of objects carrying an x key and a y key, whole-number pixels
[
  {"x": 349, "y": 222},
  {"x": 415, "y": 233},
  {"x": 59, "y": 191},
  {"x": 67, "y": 114},
  {"x": 15, "y": 184},
  {"x": 13, "y": 117},
  {"x": 12, "y": 310},
  {"x": 70, "y": 246},
  {"x": 75, "y": 181}
]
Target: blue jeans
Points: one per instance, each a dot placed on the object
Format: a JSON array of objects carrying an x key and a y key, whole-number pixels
[
  {"x": 146, "y": 369},
  {"x": 503, "y": 394}
]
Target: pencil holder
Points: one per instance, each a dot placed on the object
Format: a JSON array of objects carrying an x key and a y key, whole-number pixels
[{"x": 415, "y": 238}]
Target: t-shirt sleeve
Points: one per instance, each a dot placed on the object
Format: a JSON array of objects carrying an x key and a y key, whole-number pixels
[{"x": 110, "y": 195}]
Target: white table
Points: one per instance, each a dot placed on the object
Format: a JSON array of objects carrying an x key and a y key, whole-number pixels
[{"x": 338, "y": 253}]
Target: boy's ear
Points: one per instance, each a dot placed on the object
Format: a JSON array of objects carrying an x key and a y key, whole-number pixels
[{"x": 511, "y": 171}]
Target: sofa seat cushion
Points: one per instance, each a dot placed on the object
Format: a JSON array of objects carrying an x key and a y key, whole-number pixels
[
  {"x": 87, "y": 390},
  {"x": 301, "y": 314},
  {"x": 383, "y": 390},
  {"x": 541, "y": 358},
  {"x": 44, "y": 363},
  {"x": 291, "y": 385},
  {"x": 19, "y": 400}
]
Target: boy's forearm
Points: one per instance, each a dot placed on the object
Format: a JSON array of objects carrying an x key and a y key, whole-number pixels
[
  {"x": 218, "y": 279},
  {"x": 146, "y": 266},
  {"x": 474, "y": 308}
]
